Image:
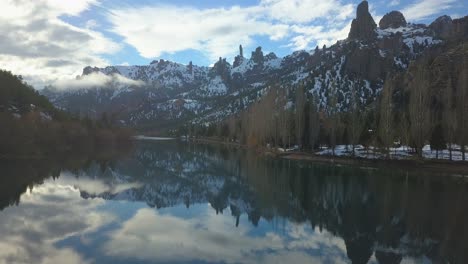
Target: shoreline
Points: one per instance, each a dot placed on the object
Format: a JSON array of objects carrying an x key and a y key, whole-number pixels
[{"x": 440, "y": 166}]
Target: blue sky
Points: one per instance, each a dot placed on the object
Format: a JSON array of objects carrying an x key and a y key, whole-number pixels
[{"x": 48, "y": 40}]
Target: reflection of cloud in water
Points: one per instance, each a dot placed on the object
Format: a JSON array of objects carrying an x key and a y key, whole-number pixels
[
  {"x": 49, "y": 214},
  {"x": 95, "y": 186},
  {"x": 150, "y": 235}
]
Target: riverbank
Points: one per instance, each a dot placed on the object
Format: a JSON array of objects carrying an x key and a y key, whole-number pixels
[
  {"x": 434, "y": 165},
  {"x": 439, "y": 166}
]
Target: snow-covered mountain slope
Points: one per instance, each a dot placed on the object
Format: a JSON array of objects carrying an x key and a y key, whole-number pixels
[{"x": 170, "y": 94}]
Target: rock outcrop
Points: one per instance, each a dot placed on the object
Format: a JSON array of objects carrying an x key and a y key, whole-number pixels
[
  {"x": 363, "y": 26},
  {"x": 394, "y": 19},
  {"x": 442, "y": 26},
  {"x": 446, "y": 28},
  {"x": 88, "y": 70},
  {"x": 257, "y": 56},
  {"x": 222, "y": 68},
  {"x": 460, "y": 28}
]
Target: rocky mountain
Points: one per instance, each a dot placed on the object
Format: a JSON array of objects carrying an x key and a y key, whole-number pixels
[{"x": 169, "y": 94}]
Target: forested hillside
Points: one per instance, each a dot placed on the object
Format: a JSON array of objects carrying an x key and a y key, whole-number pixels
[{"x": 32, "y": 127}]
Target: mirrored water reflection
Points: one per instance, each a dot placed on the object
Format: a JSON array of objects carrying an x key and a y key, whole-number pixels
[{"x": 172, "y": 202}]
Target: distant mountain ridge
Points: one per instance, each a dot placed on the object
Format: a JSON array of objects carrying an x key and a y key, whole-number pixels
[{"x": 175, "y": 94}]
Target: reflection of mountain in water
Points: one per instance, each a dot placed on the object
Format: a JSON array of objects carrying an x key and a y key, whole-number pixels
[
  {"x": 171, "y": 174},
  {"x": 391, "y": 213},
  {"x": 385, "y": 212}
]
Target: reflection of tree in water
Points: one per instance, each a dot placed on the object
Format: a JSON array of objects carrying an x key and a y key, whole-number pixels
[
  {"x": 17, "y": 176},
  {"x": 390, "y": 212},
  {"x": 373, "y": 210}
]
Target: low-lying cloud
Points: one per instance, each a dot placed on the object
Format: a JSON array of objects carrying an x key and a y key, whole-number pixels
[{"x": 97, "y": 80}]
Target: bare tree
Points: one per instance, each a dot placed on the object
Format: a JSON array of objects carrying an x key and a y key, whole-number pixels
[
  {"x": 314, "y": 122},
  {"x": 333, "y": 115},
  {"x": 449, "y": 116},
  {"x": 300, "y": 114},
  {"x": 356, "y": 119},
  {"x": 419, "y": 107},
  {"x": 386, "y": 128},
  {"x": 462, "y": 107}
]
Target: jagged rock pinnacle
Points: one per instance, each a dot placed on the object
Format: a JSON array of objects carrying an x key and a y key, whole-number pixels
[{"x": 363, "y": 26}]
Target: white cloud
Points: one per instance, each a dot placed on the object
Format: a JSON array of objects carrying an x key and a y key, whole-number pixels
[
  {"x": 215, "y": 32},
  {"x": 158, "y": 29},
  {"x": 317, "y": 35},
  {"x": 304, "y": 11},
  {"x": 73, "y": 8},
  {"x": 91, "y": 24},
  {"x": 37, "y": 44},
  {"x": 425, "y": 8},
  {"x": 394, "y": 3},
  {"x": 96, "y": 79}
]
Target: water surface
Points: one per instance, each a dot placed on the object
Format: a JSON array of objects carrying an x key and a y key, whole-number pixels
[{"x": 172, "y": 202}]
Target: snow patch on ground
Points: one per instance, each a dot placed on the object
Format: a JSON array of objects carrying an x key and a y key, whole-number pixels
[
  {"x": 399, "y": 153},
  {"x": 141, "y": 137}
]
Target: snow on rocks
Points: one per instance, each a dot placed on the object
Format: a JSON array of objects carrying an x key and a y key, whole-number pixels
[{"x": 216, "y": 86}]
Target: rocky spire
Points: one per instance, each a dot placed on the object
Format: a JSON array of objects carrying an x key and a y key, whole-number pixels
[
  {"x": 394, "y": 19},
  {"x": 363, "y": 26},
  {"x": 239, "y": 58},
  {"x": 190, "y": 67}
]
